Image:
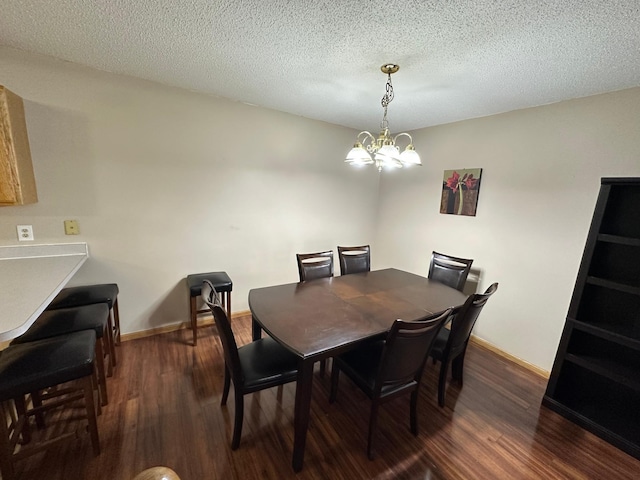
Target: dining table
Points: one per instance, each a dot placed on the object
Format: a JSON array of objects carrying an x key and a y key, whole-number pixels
[{"x": 326, "y": 317}]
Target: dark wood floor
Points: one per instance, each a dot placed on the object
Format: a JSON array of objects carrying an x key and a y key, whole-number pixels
[{"x": 165, "y": 410}]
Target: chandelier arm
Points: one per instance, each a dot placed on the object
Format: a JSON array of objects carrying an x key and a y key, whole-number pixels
[
  {"x": 371, "y": 147},
  {"x": 400, "y": 134}
]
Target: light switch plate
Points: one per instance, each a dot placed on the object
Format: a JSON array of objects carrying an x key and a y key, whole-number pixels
[
  {"x": 71, "y": 227},
  {"x": 25, "y": 233}
]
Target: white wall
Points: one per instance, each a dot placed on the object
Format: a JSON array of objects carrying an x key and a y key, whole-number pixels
[
  {"x": 540, "y": 180},
  {"x": 155, "y": 179},
  {"x": 165, "y": 182}
]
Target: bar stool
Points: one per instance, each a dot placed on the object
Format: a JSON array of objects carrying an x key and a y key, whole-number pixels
[
  {"x": 223, "y": 285},
  {"x": 52, "y": 323},
  {"x": 90, "y": 294},
  {"x": 35, "y": 366}
]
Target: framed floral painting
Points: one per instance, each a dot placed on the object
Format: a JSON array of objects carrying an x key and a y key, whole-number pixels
[{"x": 460, "y": 190}]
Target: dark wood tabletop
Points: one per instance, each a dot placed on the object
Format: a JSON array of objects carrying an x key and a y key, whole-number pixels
[
  {"x": 324, "y": 317},
  {"x": 317, "y": 318}
]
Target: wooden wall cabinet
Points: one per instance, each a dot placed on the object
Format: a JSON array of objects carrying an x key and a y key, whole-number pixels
[
  {"x": 17, "y": 182},
  {"x": 595, "y": 381}
]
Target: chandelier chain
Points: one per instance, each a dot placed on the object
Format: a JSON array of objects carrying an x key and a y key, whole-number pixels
[{"x": 386, "y": 100}]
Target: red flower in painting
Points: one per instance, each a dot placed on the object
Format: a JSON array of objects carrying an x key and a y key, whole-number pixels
[
  {"x": 469, "y": 181},
  {"x": 453, "y": 182}
]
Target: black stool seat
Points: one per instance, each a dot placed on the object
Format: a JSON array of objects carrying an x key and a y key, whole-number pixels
[
  {"x": 85, "y": 295},
  {"x": 220, "y": 281},
  {"x": 223, "y": 285},
  {"x": 89, "y": 295},
  {"x": 52, "y": 323},
  {"x": 29, "y": 367},
  {"x": 62, "y": 321}
]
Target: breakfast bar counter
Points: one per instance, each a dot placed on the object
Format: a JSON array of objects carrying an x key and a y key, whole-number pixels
[{"x": 30, "y": 277}]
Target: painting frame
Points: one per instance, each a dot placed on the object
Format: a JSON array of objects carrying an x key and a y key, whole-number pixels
[{"x": 460, "y": 191}]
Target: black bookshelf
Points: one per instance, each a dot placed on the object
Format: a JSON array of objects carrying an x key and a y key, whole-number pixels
[{"x": 595, "y": 380}]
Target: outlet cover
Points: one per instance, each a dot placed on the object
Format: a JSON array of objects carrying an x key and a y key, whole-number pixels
[
  {"x": 25, "y": 233},
  {"x": 71, "y": 227}
]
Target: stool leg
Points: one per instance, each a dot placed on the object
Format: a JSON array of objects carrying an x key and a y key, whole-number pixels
[
  {"x": 6, "y": 452},
  {"x": 102, "y": 378},
  {"x": 116, "y": 318},
  {"x": 110, "y": 345},
  {"x": 37, "y": 402},
  {"x": 194, "y": 320},
  {"x": 227, "y": 302},
  {"x": 21, "y": 411},
  {"x": 87, "y": 387}
]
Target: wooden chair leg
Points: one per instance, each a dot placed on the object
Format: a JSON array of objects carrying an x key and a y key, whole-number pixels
[
  {"x": 335, "y": 377},
  {"x": 193, "y": 311},
  {"x": 457, "y": 366},
  {"x": 239, "y": 415},
  {"x": 442, "y": 381},
  {"x": 227, "y": 386},
  {"x": 413, "y": 412},
  {"x": 373, "y": 421}
]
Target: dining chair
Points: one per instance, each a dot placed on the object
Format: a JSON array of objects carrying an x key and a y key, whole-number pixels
[
  {"x": 252, "y": 367},
  {"x": 452, "y": 271},
  {"x": 450, "y": 345},
  {"x": 312, "y": 266},
  {"x": 354, "y": 259},
  {"x": 391, "y": 367}
]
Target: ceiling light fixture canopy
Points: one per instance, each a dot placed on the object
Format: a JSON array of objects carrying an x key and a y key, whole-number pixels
[{"x": 383, "y": 151}]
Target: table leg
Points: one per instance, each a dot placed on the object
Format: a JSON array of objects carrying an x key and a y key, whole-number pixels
[
  {"x": 256, "y": 330},
  {"x": 301, "y": 413}
]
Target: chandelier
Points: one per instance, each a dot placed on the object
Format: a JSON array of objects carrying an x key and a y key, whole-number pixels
[{"x": 383, "y": 151}]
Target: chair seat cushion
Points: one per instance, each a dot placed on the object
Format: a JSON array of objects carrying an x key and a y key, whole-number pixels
[
  {"x": 28, "y": 367},
  {"x": 265, "y": 362},
  {"x": 220, "y": 281},
  {"x": 67, "y": 320},
  {"x": 85, "y": 295}
]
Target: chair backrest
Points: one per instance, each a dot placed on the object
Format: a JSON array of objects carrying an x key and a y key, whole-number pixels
[
  {"x": 315, "y": 265},
  {"x": 451, "y": 271},
  {"x": 229, "y": 345},
  {"x": 464, "y": 321},
  {"x": 406, "y": 350},
  {"x": 354, "y": 259}
]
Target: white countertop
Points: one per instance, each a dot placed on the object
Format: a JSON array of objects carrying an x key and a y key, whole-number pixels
[{"x": 30, "y": 277}]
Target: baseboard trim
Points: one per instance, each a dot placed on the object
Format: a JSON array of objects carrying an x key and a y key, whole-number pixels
[
  {"x": 205, "y": 322},
  {"x": 209, "y": 321},
  {"x": 518, "y": 361}
]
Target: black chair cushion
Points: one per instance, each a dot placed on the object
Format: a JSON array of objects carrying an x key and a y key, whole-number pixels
[
  {"x": 265, "y": 362},
  {"x": 220, "y": 281},
  {"x": 33, "y": 366},
  {"x": 67, "y": 320},
  {"x": 85, "y": 295}
]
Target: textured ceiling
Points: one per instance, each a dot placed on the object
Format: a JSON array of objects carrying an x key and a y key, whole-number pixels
[{"x": 320, "y": 59}]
